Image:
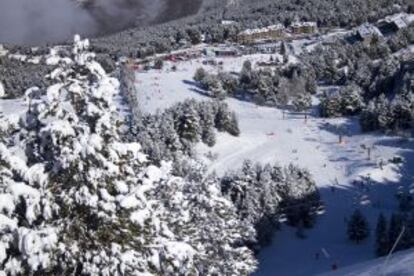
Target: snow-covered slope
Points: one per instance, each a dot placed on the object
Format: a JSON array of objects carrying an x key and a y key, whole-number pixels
[
  {"x": 267, "y": 137},
  {"x": 401, "y": 264}
]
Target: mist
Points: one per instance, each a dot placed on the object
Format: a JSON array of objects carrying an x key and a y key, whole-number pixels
[{"x": 44, "y": 21}]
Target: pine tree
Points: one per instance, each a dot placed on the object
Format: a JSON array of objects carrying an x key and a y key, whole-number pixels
[
  {"x": 209, "y": 136},
  {"x": 358, "y": 228},
  {"x": 222, "y": 118},
  {"x": 246, "y": 75},
  {"x": 233, "y": 126},
  {"x": 351, "y": 100},
  {"x": 200, "y": 74},
  {"x": 209, "y": 81},
  {"x": 217, "y": 91},
  {"x": 385, "y": 119},
  {"x": 381, "y": 232},
  {"x": 302, "y": 102},
  {"x": 188, "y": 123},
  {"x": 206, "y": 112},
  {"x": 394, "y": 230}
]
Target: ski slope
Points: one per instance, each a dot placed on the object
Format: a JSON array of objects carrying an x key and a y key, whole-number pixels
[
  {"x": 266, "y": 136},
  {"x": 269, "y": 136},
  {"x": 400, "y": 264}
]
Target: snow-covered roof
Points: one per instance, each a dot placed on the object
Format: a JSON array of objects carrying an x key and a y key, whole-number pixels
[
  {"x": 401, "y": 20},
  {"x": 366, "y": 30},
  {"x": 304, "y": 24},
  {"x": 228, "y": 22},
  {"x": 275, "y": 27}
]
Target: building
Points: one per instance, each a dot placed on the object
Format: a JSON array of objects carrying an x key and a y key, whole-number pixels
[
  {"x": 394, "y": 23},
  {"x": 367, "y": 33},
  {"x": 304, "y": 28},
  {"x": 221, "y": 52},
  {"x": 228, "y": 22},
  {"x": 267, "y": 48},
  {"x": 226, "y": 52},
  {"x": 273, "y": 32}
]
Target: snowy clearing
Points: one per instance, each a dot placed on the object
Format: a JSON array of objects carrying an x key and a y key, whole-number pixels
[{"x": 268, "y": 137}]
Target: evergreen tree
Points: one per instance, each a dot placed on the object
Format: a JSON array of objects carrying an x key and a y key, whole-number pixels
[
  {"x": 233, "y": 126},
  {"x": 351, "y": 100},
  {"x": 217, "y": 90},
  {"x": 222, "y": 119},
  {"x": 209, "y": 136},
  {"x": 283, "y": 49},
  {"x": 229, "y": 82},
  {"x": 381, "y": 232},
  {"x": 394, "y": 230},
  {"x": 302, "y": 102},
  {"x": 188, "y": 123},
  {"x": 246, "y": 75},
  {"x": 207, "y": 115},
  {"x": 358, "y": 228},
  {"x": 209, "y": 81},
  {"x": 200, "y": 74}
]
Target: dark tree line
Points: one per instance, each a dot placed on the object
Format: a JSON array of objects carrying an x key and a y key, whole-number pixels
[
  {"x": 389, "y": 229},
  {"x": 17, "y": 76},
  {"x": 145, "y": 41}
]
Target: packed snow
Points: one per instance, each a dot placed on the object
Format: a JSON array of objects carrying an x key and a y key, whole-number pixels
[{"x": 400, "y": 264}]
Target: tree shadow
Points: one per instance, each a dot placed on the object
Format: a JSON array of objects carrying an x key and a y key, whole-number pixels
[
  {"x": 347, "y": 127},
  {"x": 397, "y": 142}
]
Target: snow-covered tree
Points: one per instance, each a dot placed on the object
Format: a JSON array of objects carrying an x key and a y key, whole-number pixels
[
  {"x": 226, "y": 120},
  {"x": 347, "y": 102},
  {"x": 200, "y": 74},
  {"x": 217, "y": 91},
  {"x": 188, "y": 123},
  {"x": 76, "y": 199},
  {"x": 246, "y": 74},
  {"x": 263, "y": 193},
  {"x": 302, "y": 102}
]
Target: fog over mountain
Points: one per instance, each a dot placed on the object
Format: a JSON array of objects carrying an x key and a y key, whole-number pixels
[{"x": 40, "y": 21}]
